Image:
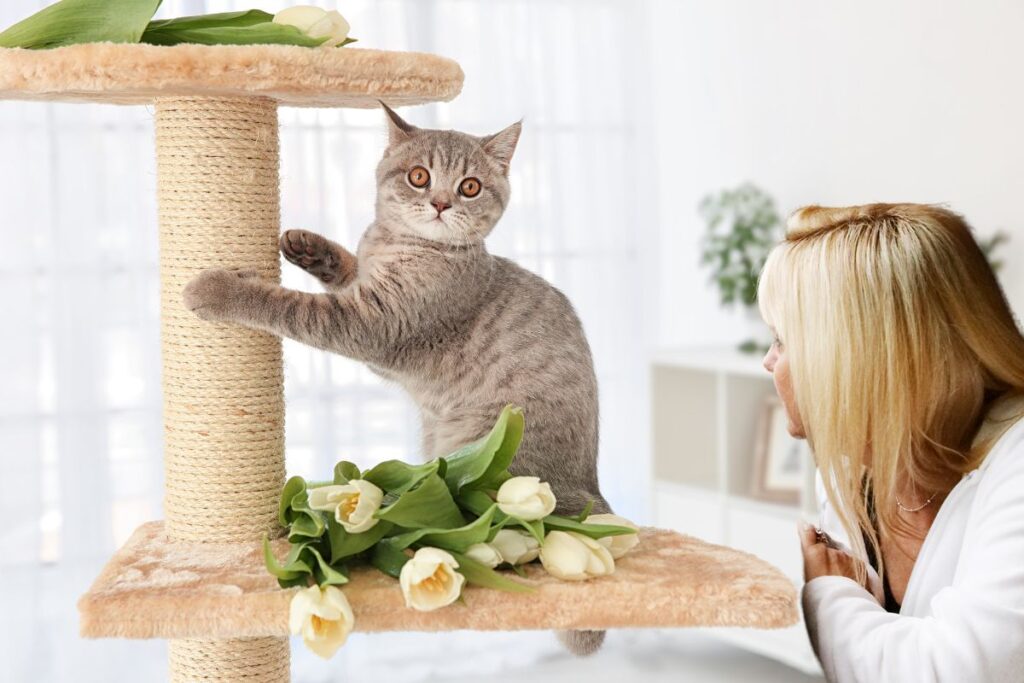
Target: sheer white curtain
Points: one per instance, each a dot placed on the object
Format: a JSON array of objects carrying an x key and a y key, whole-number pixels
[{"x": 80, "y": 430}]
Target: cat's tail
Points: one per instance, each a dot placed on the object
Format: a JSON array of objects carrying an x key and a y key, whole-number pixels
[{"x": 581, "y": 643}]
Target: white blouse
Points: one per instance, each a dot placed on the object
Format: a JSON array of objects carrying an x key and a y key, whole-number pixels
[{"x": 962, "y": 617}]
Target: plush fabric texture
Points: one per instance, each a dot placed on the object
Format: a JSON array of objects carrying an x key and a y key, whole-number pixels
[
  {"x": 294, "y": 76},
  {"x": 154, "y": 588}
]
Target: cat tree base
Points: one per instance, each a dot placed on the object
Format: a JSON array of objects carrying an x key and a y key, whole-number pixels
[{"x": 156, "y": 588}]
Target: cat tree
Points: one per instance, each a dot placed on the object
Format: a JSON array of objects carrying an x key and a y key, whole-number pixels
[{"x": 198, "y": 578}]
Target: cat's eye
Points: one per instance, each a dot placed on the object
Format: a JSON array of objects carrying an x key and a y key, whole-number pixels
[
  {"x": 419, "y": 177},
  {"x": 470, "y": 187}
]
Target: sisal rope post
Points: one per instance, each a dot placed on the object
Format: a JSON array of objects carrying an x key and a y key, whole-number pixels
[{"x": 219, "y": 206}]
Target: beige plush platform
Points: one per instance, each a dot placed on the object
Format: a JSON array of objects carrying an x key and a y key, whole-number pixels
[
  {"x": 295, "y": 76},
  {"x": 154, "y": 588}
]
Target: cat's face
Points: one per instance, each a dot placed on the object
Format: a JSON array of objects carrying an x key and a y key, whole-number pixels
[{"x": 443, "y": 185}]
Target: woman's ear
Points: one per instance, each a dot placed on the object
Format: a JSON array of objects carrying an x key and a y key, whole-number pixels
[
  {"x": 398, "y": 128},
  {"x": 500, "y": 146}
]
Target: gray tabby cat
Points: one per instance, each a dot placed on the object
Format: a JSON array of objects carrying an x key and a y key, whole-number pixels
[{"x": 423, "y": 303}]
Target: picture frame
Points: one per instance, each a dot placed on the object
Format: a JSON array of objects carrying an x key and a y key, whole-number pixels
[{"x": 781, "y": 460}]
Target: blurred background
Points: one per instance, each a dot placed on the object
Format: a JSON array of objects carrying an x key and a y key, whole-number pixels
[{"x": 664, "y": 142}]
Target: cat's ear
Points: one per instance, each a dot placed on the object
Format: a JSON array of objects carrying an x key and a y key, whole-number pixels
[
  {"x": 398, "y": 128},
  {"x": 500, "y": 146}
]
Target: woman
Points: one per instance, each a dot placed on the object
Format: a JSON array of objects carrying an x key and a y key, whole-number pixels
[{"x": 897, "y": 357}]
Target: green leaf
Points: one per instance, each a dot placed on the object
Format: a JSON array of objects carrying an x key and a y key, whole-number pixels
[
  {"x": 480, "y": 574},
  {"x": 344, "y": 544},
  {"x": 388, "y": 558},
  {"x": 305, "y": 521},
  {"x": 536, "y": 527},
  {"x": 306, "y": 527},
  {"x": 486, "y": 461},
  {"x": 291, "y": 569},
  {"x": 255, "y": 34},
  {"x": 428, "y": 505},
  {"x": 82, "y": 21},
  {"x": 477, "y": 531},
  {"x": 326, "y": 575},
  {"x": 587, "y": 509},
  {"x": 477, "y": 502},
  {"x": 397, "y": 477},
  {"x": 292, "y": 488},
  {"x": 243, "y": 18},
  {"x": 559, "y": 523},
  {"x": 345, "y": 471}
]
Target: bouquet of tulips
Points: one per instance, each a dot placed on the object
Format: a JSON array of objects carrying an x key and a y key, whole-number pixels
[
  {"x": 131, "y": 21},
  {"x": 434, "y": 527}
]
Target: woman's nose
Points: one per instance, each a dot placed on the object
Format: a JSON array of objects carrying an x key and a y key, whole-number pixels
[{"x": 769, "y": 361}]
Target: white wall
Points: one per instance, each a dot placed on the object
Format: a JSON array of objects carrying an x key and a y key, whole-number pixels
[{"x": 832, "y": 103}]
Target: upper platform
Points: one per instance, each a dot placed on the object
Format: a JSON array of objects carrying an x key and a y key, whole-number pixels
[{"x": 124, "y": 73}]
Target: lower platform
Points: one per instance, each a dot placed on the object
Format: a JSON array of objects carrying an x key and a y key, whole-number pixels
[{"x": 154, "y": 588}]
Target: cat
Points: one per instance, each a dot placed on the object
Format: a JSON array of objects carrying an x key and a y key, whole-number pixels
[{"x": 423, "y": 303}]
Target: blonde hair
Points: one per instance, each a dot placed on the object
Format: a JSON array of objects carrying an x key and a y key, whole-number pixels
[{"x": 898, "y": 338}]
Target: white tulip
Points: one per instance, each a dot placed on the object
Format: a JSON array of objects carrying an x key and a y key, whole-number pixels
[
  {"x": 315, "y": 22},
  {"x": 574, "y": 557},
  {"x": 323, "y": 617},
  {"x": 353, "y": 504},
  {"x": 429, "y": 580},
  {"x": 516, "y": 547},
  {"x": 484, "y": 553},
  {"x": 617, "y": 545},
  {"x": 527, "y": 498}
]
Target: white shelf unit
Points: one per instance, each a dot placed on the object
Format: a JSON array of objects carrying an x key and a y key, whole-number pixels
[{"x": 706, "y": 407}]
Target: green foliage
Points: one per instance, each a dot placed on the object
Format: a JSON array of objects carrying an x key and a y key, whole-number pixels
[
  {"x": 446, "y": 503},
  {"x": 69, "y": 22},
  {"x": 742, "y": 226},
  {"x": 484, "y": 463},
  {"x": 990, "y": 245},
  {"x": 481, "y": 575},
  {"x": 429, "y": 505},
  {"x": 82, "y": 21},
  {"x": 228, "y": 28}
]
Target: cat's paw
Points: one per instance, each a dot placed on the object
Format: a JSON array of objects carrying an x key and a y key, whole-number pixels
[
  {"x": 212, "y": 294},
  {"x": 311, "y": 252}
]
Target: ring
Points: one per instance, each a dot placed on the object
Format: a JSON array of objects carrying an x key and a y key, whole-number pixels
[{"x": 822, "y": 537}]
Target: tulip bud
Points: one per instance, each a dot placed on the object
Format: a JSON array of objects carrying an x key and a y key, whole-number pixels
[
  {"x": 574, "y": 557},
  {"x": 527, "y": 498},
  {"x": 516, "y": 547},
  {"x": 315, "y": 22},
  {"x": 617, "y": 545},
  {"x": 485, "y": 554}
]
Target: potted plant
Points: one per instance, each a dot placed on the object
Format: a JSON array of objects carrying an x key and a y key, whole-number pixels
[{"x": 743, "y": 225}]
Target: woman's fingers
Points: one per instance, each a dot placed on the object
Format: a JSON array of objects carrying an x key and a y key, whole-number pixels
[{"x": 808, "y": 535}]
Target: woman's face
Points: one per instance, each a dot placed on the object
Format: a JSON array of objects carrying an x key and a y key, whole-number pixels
[{"x": 777, "y": 363}]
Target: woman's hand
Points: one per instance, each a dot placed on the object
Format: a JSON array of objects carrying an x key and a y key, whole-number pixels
[{"x": 822, "y": 560}]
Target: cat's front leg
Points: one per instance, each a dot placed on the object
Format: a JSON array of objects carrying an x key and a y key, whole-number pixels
[
  {"x": 325, "y": 260},
  {"x": 219, "y": 294},
  {"x": 340, "y": 322}
]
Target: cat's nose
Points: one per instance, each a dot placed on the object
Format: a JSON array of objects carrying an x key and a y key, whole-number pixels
[{"x": 440, "y": 206}]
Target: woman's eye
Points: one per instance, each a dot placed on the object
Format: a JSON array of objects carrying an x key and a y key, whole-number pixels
[
  {"x": 470, "y": 187},
  {"x": 777, "y": 343},
  {"x": 419, "y": 177}
]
